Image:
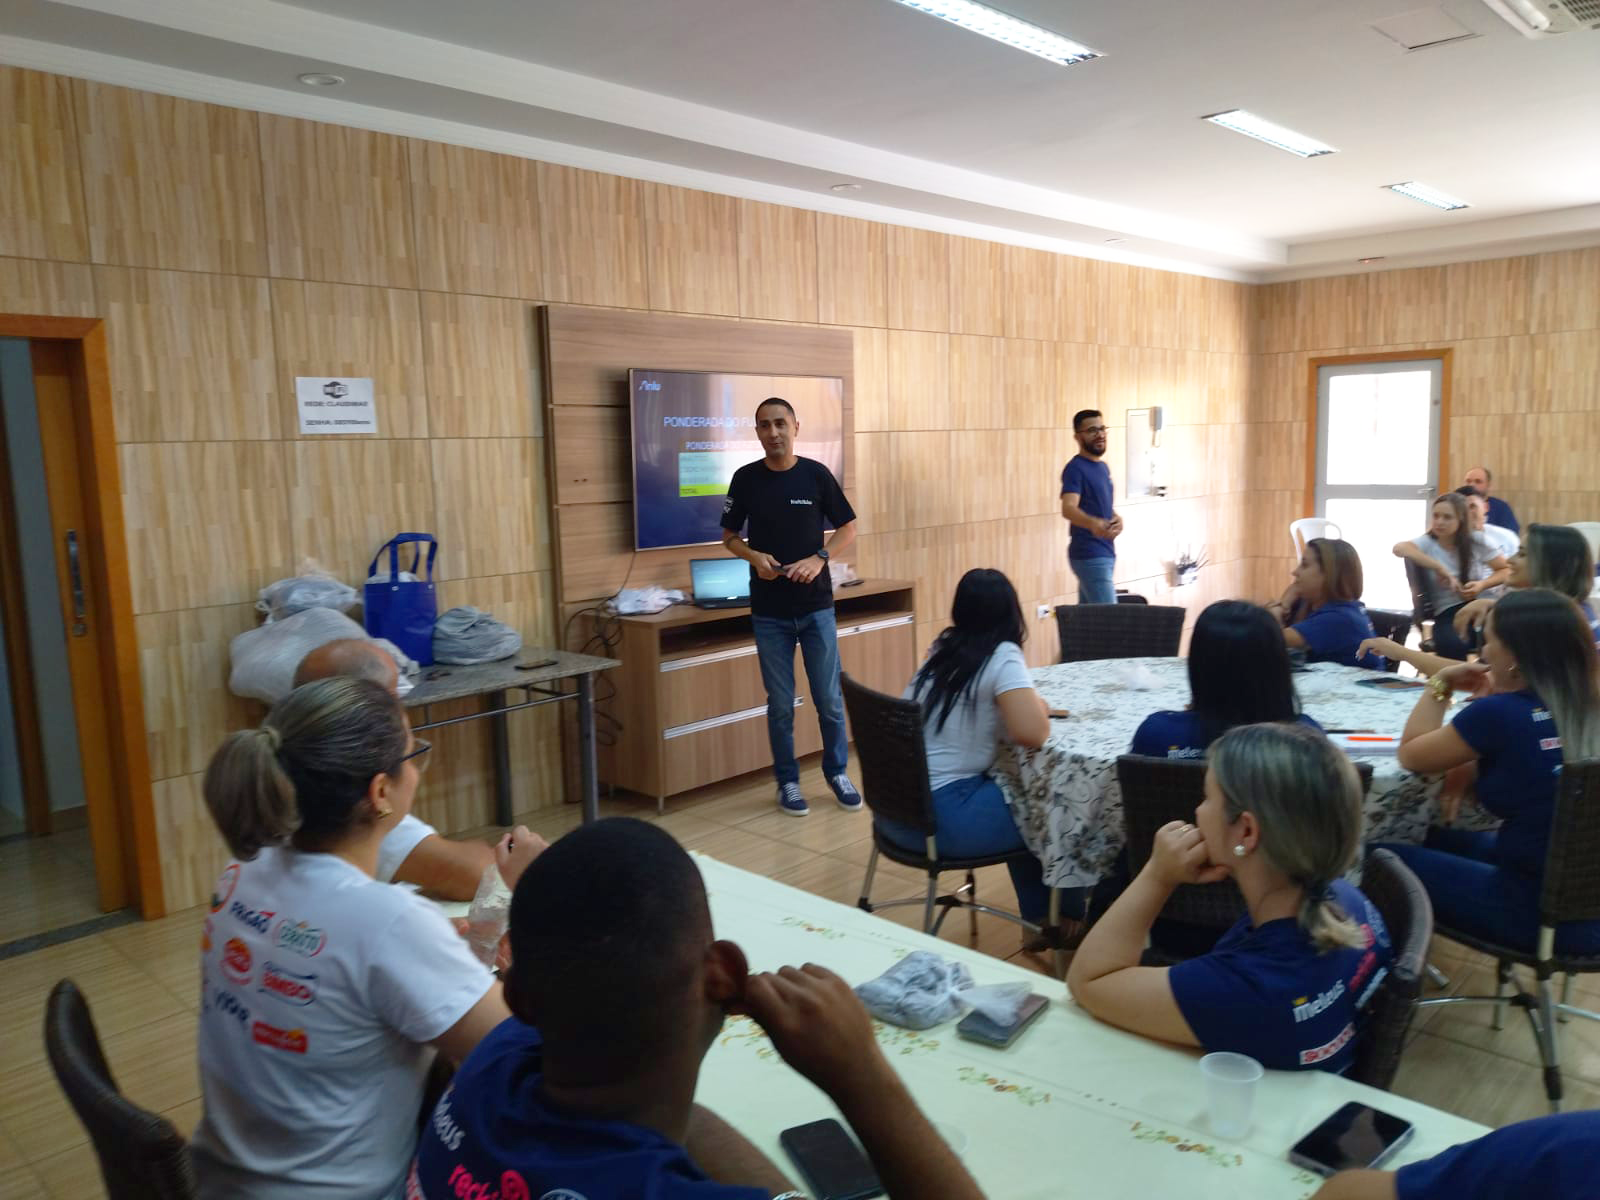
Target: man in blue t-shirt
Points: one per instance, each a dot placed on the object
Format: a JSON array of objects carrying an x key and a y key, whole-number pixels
[
  {"x": 1086, "y": 504},
  {"x": 618, "y": 990},
  {"x": 1548, "y": 1156},
  {"x": 1499, "y": 511}
]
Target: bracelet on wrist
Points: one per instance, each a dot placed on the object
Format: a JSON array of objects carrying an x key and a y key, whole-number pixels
[{"x": 1439, "y": 688}]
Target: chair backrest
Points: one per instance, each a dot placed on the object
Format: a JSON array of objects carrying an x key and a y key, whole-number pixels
[
  {"x": 1091, "y": 631},
  {"x": 1421, "y": 604},
  {"x": 1400, "y": 898},
  {"x": 892, "y": 755},
  {"x": 142, "y": 1156},
  {"x": 1304, "y": 529},
  {"x": 1131, "y": 598},
  {"x": 1572, "y": 863},
  {"x": 1392, "y": 625}
]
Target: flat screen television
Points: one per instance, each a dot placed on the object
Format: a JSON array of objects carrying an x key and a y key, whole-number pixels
[{"x": 693, "y": 429}]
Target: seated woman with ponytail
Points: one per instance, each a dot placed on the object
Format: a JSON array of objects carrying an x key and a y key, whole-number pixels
[
  {"x": 322, "y": 990},
  {"x": 1287, "y": 984}
]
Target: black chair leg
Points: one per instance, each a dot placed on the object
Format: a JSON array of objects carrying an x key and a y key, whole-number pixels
[
  {"x": 1502, "y": 980},
  {"x": 1547, "y": 1044},
  {"x": 972, "y": 913},
  {"x": 927, "y": 911},
  {"x": 865, "y": 903}
]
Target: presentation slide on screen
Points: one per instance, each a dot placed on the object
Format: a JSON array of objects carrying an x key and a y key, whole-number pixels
[{"x": 692, "y": 430}]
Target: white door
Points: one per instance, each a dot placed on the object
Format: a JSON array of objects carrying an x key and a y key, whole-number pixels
[{"x": 1378, "y": 462}]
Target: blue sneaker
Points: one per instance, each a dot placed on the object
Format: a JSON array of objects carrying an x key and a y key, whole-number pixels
[
  {"x": 849, "y": 798},
  {"x": 791, "y": 800}
]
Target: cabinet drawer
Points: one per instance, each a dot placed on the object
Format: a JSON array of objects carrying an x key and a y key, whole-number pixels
[
  {"x": 696, "y": 689},
  {"x": 729, "y": 745}
]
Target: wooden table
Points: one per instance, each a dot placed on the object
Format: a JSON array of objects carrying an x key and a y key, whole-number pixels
[{"x": 539, "y": 686}]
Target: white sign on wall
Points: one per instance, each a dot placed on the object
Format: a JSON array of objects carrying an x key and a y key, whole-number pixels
[{"x": 335, "y": 405}]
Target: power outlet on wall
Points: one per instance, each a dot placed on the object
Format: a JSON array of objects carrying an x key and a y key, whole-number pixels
[{"x": 1044, "y": 611}]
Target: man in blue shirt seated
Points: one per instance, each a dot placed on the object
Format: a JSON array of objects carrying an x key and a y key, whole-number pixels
[
  {"x": 618, "y": 990},
  {"x": 1549, "y": 1156}
]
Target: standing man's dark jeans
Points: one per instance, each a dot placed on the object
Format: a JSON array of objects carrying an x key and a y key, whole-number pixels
[{"x": 818, "y": 639}]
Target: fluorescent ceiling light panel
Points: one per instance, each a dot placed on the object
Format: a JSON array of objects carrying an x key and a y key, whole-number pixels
[
  {"x": 1266, "y": 131},
  {"x": 1003, "y": 27},
  {"x": 1428, "y": 195}
]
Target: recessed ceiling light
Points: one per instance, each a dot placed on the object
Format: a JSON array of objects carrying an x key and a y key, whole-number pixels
[
  {"x": 320, "y": 79},
  {"x": 845, "y": 187},
  {"x": 1263, "y": 130},
  {"x": 1428, "y": 195},
  {"x": 1003, "y": 27}
]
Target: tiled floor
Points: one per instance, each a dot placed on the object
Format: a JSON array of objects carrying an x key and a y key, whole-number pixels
[
  {"x": 46, "y": 883},
  {"x": 142, "y": 982}
]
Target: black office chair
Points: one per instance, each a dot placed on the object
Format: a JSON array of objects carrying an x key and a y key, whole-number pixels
[
  {"x": 894, "y": 783},
  {"x": 1571, "y": 893},
  {"x": 1095, "y": 631},
  {"x": 1402, "y": 901},
  {"x": 1130, "y": 598},
  {"x": 1395, "y": 626},
  {"x": 142, "y": 1155},
  {"x": 1421, "y": 605}
]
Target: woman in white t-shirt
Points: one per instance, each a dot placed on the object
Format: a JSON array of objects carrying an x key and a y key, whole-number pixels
[
  {"x": 323, "y": 991},
  {"x": 1458, "y": 565},
  {"x": 975, "y": 689}
]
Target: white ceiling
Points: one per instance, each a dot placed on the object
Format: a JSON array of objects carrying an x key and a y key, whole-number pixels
[{"x": 778, "y": 99}]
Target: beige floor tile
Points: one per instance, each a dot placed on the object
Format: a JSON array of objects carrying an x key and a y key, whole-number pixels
[
  {"x": 826, "y": 829},
  {"x": 72, "y": 1175},
  {"x": 1578, "y": 1040},
  {"x": 21, "y": 1183},
  {"x": 1477, "y": 1085},
  {"x": 168, "y": 950},
  {"x": 840, "y": 880},
  {"x": 186, "y": 1116},
  {"x": 749, "y": 851}
]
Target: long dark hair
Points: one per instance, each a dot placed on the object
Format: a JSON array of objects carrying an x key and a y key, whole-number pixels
[
  {"x": 1554, "y": 648},
  {"x": 984, "y": 613},
  {"x": 1559, "y": 559},
  {"x": 1239, "y": 669},
  {"x": 1458, "y": 505}
]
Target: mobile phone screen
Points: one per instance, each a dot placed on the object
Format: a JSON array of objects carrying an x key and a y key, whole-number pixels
[
  {"x": 980, "y": 1028},
  {"x": 1355, "y": 1136},
  {"x": 833, "y": 1165},
  {"x": 1393, "y": 685}
]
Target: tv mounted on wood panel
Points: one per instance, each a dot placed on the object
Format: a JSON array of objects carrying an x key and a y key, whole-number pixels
[{"x": 693, "y": 429}]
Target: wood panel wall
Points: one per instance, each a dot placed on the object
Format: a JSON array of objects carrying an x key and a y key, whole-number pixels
[{"x": 229, "y": 251}]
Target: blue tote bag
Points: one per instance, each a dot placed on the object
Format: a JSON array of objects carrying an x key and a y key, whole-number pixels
[{"x": 401, "y": 610}]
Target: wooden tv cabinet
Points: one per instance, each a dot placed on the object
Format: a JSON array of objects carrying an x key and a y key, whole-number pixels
[{"x": 689, "y": 696}]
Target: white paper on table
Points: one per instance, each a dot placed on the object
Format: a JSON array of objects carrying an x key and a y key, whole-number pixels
[{"x": 1136, "y": 677}]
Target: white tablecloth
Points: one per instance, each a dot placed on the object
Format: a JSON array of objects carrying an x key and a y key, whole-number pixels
[
  {"x": 1072, "y": 1108},
  {"x": 1065, "y": 797}
]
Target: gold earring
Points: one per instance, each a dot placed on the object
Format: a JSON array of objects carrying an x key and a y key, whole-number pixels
[{"x": 385, "y": 812}]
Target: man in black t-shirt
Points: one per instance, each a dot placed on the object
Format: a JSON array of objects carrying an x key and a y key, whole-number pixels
[{"x": 786, "y": 500}]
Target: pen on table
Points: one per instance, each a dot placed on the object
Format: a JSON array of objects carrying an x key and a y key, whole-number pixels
[{"x": 1349, "y": 731}]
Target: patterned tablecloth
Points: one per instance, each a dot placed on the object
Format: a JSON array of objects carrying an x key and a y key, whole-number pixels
[
  {"x": 1072, "y": 1108},
  {"x": 1065, "y": 796}
]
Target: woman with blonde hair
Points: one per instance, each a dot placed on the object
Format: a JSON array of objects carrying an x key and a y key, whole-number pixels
[
  {"x": 1321, "y": 611},
  {"x": 324, "y": 993},
  {"x": 1286, "y": 985}
]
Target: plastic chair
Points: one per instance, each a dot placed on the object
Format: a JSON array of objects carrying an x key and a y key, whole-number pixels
[
  {"x": 1399, "y": 896},
  {"x": 894, "y": 783},
  {"x": 1095, "y": 631},
  {"x": 142, "y": 1155},
  {"x": 1571, "y": 893},
  {"x": 1303, "y": 530}
]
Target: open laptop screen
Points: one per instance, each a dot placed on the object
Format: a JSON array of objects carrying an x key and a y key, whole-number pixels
[{"x": 720, "y": 578}]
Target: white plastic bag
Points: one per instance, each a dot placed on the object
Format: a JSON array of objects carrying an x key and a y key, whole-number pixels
[
  {"x": 264, "y": 659},
  {"x": 650, "y": 599},
  {"x": 489, "y": 915},
  {"x": 311, "y": 588},
  {"x": 923, "y": 990}
]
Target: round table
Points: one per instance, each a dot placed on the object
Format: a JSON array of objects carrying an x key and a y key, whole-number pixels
[{"x": 1067, "y": 802}]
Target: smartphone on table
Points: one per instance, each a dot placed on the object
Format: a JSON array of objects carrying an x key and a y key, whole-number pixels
[
  {"x": 977, "y": 1027},
  {"x": 1357, "y": 1136},
  {"x": 1393, "y": 684},
  {"x": 833, "y": 1165}
]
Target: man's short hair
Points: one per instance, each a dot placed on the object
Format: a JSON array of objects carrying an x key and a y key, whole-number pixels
[
  {"x": 1082, "y": 415},
  {"x": 608, "y": 927},
  {"x": 775, "y": 400},
  {"x": 358, "y": 658},
  {"x": 1487, "y": 474}
]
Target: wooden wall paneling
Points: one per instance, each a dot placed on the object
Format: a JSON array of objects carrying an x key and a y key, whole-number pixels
[
  {"x": 1032, "y": 387},
  {"x": 50, "y": 289},
  {"x": 482, "y": 367},
  {"x": 919, "y": 380},
  {"x": 1120, "y": 302},
  {"x": 1405, "y": 306},
  {"x": 1080, "y": 285},
  {"x": 597, "y": 556},
  {"x": 977, "y": 287},
  {"x": 871, "y": 384},
  {"x": 171, "y": 183},
  {"x": 457, "y": 793},
  {"x": 1157, "y": 379},
  {"x": 1565, "y": 289},
  {"x": 591, "y": 455},
  {"x": 207, "y": 522},
  {"x": 593, "y": 236},
  {"x": 978, "y": 396},
  {"x": 338, "y": 203},
  {"x": 1491, "y": 298},
  {"x": 525, "y": 601},
  {"x": 1032, "y": 296},
  {"x": 1274, "y": 317},
  {"x": 41, "y": 190},
  {"x": 184, "y": 665},
  {"x": 853, "y": 267},
  {"x": 1157, "y": 309},
  {"x": 1497, "y": 375},
  {"x": 1028, "y": 476},
  {"x": 1566, "y": 377},
  {"x": 192, "y": 852},
  {"x": 347, "y": 496},
  {"x": 693, "y": 242},
  {"x": 477, "y": 221},
  {"x": 192, "y": 356},
  {"x": 1118, "y": 375},
  {"x": 492, "y": 514},
  {"x": 366, "y": 332},
  {"x": 1077, "y": 377},
  {"x": 1192, "y": 326},
  {"x": 919, "y": 279},
  {"x": 777, "y": 262},
  {"x": 1228, "y": 308}
]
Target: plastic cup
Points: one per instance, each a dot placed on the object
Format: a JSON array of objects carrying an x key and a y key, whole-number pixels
[{"x": 1230, "y": 1092}]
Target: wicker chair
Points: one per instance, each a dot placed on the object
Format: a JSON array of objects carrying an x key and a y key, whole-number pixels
[
  {"x": 1395, "y": 626},
  {"x": 1571, "y": 893},
  {"x": 1154, "y": 792},
  {"x": 1091, "y": 631},
  {"x": 1421, "y": 605},
  {"x": 1131, "y": 597},
  {"x": 142, "y": 1156},
  {"x": 894, "y": 782},
  {"x": 1402, "y": 900}
]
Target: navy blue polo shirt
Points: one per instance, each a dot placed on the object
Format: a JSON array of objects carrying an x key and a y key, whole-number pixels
[{"x": 1090, "y": 479}]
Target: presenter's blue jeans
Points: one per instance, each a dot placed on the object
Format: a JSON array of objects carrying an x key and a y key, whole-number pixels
[
  {"x": 818, "y": 638},
  {"x": 1472, "y": 892},
  {"x": 1095, "y": 585},
  {"x": 972, "y": 819}
]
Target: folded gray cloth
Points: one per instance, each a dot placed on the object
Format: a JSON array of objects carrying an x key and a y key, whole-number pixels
[
  {"x": 918, "y": 992},
  {"x": 463, "y": 636}
]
